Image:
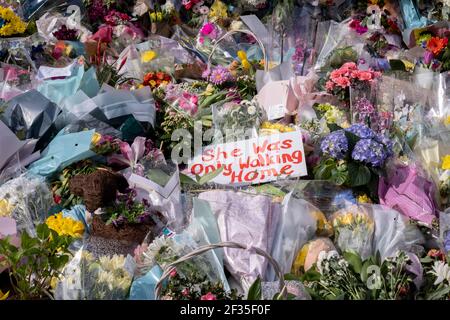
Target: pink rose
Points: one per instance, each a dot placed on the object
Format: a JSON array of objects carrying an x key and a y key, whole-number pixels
[
  {"x": 173, "y": 273},
  {"x": 208, "y": 296},
  {"x": 342, "y": 82}
]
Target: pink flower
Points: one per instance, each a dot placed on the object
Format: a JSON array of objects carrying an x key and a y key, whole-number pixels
[
  {"x": 173, "y": 273},
  {"x": 207, "y": 29},
  {"x": 329, "y": 85},
  {"x": 342, "y": 82},
  {"x": 349, "y": 66},
  {"x": 208, "y": 296},
  {"x": 185, "y": 292},
  {"x": 364, "y": 75}
]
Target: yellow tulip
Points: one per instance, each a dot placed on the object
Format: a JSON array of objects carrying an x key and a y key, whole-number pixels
[
  {"x": 245, "y": 64},
  {"x": 446, "y": 162},
  {"x": 3, "y": 296},
  {"x": 242, "y": 55},
  {"x": 148, "y": 56}
]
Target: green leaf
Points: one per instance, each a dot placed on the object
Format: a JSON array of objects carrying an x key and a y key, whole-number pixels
[
  {"x": 210, "y": 176},
  {"x": 439, "y": 294},
  {"x": 255, "y": 292},
  {"x": 333, "y": 127},
  {"x": 311, "y": 275},
  {"x": 354, "y": 260},
  {"x": 397, "y": 65},
  {"x": 359, "y": 175},
  {"x": 352, "y": 139},
  {"x": 292, "y": 277},
  {"x": 184, "y": 179},
  {"x": 42, "y": 230}
]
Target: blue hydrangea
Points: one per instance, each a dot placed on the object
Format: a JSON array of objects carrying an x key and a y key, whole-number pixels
[
  {"x": 361, "y": 130},
  {"x": 387, "y": 143},
  {"x": 335, "y": 144},
  {"x": 370, "y": 152}
]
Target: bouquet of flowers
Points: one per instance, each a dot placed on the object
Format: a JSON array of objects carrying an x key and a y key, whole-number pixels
[{"x": 356, "y": 150}]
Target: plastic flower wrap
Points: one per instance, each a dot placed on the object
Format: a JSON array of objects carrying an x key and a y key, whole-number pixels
[
  {"x": 30, "y": 199},
  {"x": 88, "y": 278},
  {"x": 354, "y": 230},
  {"x": 234, "y": 120}
]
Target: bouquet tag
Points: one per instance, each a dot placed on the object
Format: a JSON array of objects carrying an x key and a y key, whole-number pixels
[{"x": 276, "y": 112}]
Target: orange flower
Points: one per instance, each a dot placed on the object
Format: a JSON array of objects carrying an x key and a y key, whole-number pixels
[
  {"x": 436, "y": 45},
  {"x": 160, "y": 75}
]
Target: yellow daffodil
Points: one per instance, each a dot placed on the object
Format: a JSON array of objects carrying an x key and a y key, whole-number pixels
[
  {"x": 446, "y": 162},
  {"x": 345, "y": 219},
  {"x": 148, "y": 56},
  {"x": 5, "y": 208},
  {"x": 65, "y": 226},
  {"x": 96, "y": 137},
  {"x": 4, "y": 296}
]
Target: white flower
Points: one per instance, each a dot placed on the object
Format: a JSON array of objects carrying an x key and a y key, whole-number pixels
[
  {"x": 251, "y": 110},
  {"x": 442, "y": 271}
]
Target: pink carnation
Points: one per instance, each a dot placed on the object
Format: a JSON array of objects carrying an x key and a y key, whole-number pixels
[
  {"x": 342, "y": 82},
  {"x": 329, "y": 85},
  {"x": 364, "y": 75}
]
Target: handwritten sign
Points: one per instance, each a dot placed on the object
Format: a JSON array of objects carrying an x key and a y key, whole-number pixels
[{"x": 253, "y": 161}]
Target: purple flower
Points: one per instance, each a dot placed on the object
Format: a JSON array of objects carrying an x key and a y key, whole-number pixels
[
  {"x": 219, "y": 75},
  {"x": 335, "y": 144},
  {"x": 364, "y": 107},
  {"x": 447, "y": 241},
  {"x": 361, "y": 130},
  {"x": 428, "y": 57},
  {"x": 370, "y": 152},
  {"x": 387, "y": 143}
]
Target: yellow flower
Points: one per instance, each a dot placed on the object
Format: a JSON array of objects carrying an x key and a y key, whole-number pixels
[
  {"x": 324, "y": 228},
  {"x": 345, "y": 219},
  {"x": 65, "y": 226},
  {"x": 148, "y": 56},
  {"x": 363, "y": 198},
  {"x": 3, "y": 296},
  {"x": 96, "y": 137},
  {"x": 153, "y": 16},
  {"x": 13, "y": 24},
  {"x": 447, "y": 121},
  {"x": 242, "y": 55},
  {"x": 299, "y": 261},
  {"x": 218, "y": 10},
  {"x": 246, "y": 64},
  {"x": 409, "y": 66},
  {"x": 5, "y": 208},
  {"x": 208, "y": 91},
  {"x": 159, "y": 16},
  {"x": 152, "y": 83},
  {"x": 446, "y": 162}
]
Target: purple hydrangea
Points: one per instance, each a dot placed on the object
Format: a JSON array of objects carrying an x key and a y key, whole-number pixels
[
  {"x": 335, "y": 144},
  {"x": 370, "y": 152},
  {"x": 361, "y": 130}
]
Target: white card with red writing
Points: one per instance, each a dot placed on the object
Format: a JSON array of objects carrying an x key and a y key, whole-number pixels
[{"x": 252, "y": 161}]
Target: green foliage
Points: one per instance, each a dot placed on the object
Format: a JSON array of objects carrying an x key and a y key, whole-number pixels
[{"x": 37, "y": 260}]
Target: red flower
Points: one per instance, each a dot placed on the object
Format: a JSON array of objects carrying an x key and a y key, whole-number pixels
[
  {"x": 173, "y": 273},
  {"x": 436, "y": 45},
  {"x": 57, "y": 199},
  {"x": 160, "y": 75}
]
